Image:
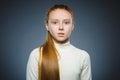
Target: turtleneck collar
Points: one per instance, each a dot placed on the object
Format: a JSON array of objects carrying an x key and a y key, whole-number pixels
[{"x": 62, "y": 45}]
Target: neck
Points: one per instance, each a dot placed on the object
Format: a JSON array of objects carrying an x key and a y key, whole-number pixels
[{"x": 61, "y": 42}]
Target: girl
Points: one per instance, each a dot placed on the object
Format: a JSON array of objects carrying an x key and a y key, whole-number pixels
[{"x": 57, "y": 59}]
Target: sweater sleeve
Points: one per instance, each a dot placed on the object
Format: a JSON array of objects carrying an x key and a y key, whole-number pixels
[
  {"x": 86, "y": 68},
  {"x": 32, "y": 66}
]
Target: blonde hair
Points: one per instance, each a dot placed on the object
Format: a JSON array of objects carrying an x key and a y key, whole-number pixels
[{"x": 48, "y": 68}]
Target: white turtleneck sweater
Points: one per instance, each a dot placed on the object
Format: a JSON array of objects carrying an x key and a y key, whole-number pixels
[{"x": 74, "y": 63}]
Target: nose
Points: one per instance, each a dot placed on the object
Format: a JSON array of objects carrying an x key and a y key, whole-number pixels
[{"x": 61, "y": 27}]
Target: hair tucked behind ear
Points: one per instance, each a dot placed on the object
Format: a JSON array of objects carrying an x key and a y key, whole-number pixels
[{"x": 48, "y": 64}]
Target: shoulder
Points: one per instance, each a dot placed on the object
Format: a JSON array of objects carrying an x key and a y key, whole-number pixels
[
  {"x": 82, "y": 53},
  {"x": 34, "y": 51},
  {"x": 34, "y": 54},
  {"x": 32, "y": 65},
  {"x": 83, "y": 56}
]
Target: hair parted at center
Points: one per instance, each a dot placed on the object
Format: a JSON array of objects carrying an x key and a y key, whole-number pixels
[{"x": 48, "y": 66}]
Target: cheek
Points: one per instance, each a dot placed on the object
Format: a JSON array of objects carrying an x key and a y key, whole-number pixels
[
  {"x": 68, "y": 30},
  {"x": 52, "y": 29}
]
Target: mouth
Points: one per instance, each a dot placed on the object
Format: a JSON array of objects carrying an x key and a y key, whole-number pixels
[{"x": 60, "y": 34}]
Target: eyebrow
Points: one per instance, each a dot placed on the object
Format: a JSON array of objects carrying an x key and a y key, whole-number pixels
[
  {"x": 66, "y": 19},
  {"x": 63, "y": 19}
]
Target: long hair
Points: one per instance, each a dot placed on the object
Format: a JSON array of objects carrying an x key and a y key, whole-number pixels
[{"x": 48, "y": 67}]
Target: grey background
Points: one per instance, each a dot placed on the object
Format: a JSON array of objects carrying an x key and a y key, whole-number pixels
[{"x": 96, "y": 31}]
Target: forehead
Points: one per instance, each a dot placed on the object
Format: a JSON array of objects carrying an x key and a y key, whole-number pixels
[{"x": 60, "y": 14}]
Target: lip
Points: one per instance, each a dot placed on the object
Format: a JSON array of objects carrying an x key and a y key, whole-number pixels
[{"x": 60, "y": 34}]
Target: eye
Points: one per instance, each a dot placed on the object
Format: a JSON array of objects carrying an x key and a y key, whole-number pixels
[
  {"x": 67, "y": 22},
  {"x": 54, "y": 22}
]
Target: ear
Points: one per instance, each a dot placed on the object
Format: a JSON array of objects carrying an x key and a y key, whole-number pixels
[
  {"x": 46, "y": 25},
  {"x": 72, "y": 26}
]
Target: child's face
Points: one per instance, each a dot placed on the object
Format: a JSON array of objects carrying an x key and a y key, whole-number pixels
[{"x": 60, "y": 25}]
